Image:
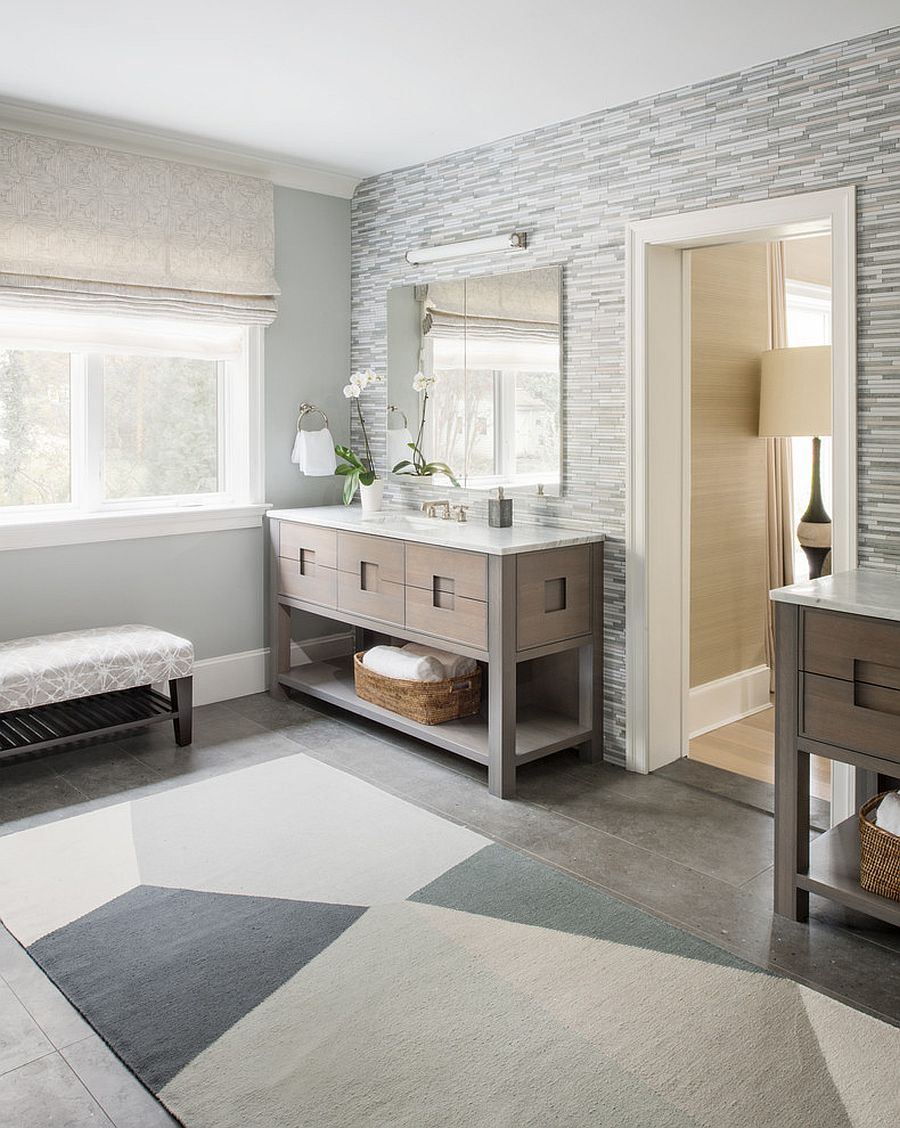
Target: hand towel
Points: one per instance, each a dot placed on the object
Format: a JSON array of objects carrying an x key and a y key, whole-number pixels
[
  {"x": 887, "y": 813},
  {"x": 392, "y": 662},
  {"x": 398, "y": 446},
  {"x": 314, "y": 453},
  {"x": 453, "y": 665}
]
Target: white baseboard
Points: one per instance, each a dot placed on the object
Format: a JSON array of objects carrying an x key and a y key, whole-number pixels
[
  {"x": 238, "y": 675},
  {"x": 727, "y": 700}
]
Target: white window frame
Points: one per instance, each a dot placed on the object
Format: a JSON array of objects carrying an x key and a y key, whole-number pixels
[{"x": 88, "y": 517}]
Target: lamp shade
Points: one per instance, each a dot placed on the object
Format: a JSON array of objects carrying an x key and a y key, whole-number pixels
[{"x": 795, "y": 392}]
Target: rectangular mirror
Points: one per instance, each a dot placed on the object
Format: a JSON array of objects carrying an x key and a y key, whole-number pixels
[{"x": 489, "y": 349}]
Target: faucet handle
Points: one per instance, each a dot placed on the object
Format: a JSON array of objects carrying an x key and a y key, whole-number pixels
[{"x": 460, "y": 511}]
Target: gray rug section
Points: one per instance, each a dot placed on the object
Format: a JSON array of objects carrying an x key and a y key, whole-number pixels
[
  {"x": 162, "y": 973},
  {"x": 498, "y": 882}
]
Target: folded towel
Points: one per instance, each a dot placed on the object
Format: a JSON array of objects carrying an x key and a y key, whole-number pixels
[
  {"x": 887, "y": 813},
  {"x": 453, "y": 665},
  {"x": 392, "y": 662},
  {"x": 314, "y": 453},
  {"x": 398, "y": 446}
]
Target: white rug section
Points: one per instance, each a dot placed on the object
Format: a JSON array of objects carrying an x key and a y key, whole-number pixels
[
  {"x": 295, "y": 828},
  {"x": 853, "y": 1045},
  {"x": 73, "y": 867}
]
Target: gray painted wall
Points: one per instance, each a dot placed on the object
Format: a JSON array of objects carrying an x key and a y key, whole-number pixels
[
  {"x": 210, "y": 586},
  {"x": 823, "y": 119}
]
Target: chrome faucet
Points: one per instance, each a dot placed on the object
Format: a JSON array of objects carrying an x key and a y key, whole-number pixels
[
  {"x": 429, "y": 507},
  {"x": 460, "y": 511}
]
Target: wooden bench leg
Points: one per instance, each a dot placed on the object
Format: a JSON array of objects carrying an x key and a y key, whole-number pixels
[{"x": 181, "y": 691}]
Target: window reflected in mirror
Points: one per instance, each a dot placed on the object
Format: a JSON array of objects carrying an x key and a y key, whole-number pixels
[{"x": 489, "y": 349}]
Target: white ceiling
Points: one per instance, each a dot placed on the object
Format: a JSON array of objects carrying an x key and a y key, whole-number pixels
[{"x": 360, "y": 86}]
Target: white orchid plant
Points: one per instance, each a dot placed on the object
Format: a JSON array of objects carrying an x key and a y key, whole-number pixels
[
  {"x": 418, "y": 465},
  {"x": 357, "y": 471}
]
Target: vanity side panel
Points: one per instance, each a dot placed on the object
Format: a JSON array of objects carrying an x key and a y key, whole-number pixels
[{"x": 554, "y": 595}]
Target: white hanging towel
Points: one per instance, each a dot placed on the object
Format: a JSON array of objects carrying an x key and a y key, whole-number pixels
[
  {"x": 314, "y": 453},
  {"x": 398, "y": 446}
]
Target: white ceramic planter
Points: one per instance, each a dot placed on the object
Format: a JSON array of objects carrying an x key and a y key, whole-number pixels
[{"x": 371, "y": 496}]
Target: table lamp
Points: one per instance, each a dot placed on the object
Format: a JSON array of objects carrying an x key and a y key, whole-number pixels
[{"x": 795, "y": 401}]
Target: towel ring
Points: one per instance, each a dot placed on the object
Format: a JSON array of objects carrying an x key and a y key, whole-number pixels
[
  {"x": 393, "y": 407},
  {"x": 310, "y": 409}
]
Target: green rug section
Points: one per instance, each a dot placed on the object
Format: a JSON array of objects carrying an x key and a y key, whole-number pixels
[{"x": 498, "y": 882}]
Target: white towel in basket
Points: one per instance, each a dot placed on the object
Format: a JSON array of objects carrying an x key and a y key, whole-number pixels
[
  {"x": 887, "y": 813},
  {"x": 454, "y": 665},
  {"x": 392, "y": 662}
]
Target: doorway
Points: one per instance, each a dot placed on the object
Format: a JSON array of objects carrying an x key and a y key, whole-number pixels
[
  {"x": 749, "y": 302},
  {"x": 659, "y": 472}
]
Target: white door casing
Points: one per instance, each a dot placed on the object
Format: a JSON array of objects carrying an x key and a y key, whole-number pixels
[{"x": 658, "y": 464}]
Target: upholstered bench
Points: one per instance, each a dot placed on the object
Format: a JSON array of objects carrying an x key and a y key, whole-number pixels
[{"x": 64, "y": 689}]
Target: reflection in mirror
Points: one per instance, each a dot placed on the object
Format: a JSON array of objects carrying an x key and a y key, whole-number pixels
[{"x": 489, "y": 350}]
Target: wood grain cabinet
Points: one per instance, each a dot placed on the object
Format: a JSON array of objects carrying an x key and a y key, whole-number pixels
[
  {"x": 837, "y": 696},
  {"x": 533, "y": 617},
  {"x": 446, "y": 594}
]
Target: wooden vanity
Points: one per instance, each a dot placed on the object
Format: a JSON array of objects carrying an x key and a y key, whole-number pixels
[
  {"x": 525, "y": 602},
  {"x": 837, "y": 696}
]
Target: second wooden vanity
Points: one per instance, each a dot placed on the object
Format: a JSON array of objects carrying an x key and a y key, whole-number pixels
[{"x": 526, "y": 602}]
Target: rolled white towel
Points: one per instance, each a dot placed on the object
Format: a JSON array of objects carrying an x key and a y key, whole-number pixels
[
  {"x": 314, "y": 453},
  {"x": 393, "y": 662},
  {"x": 887, "y": 813},
  {"x": 454, "y": 665}
]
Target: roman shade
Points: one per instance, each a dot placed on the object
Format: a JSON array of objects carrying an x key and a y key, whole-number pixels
[{"x": 89, "y": 228}]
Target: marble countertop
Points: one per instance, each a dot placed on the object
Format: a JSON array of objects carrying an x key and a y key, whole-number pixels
[
  {"x": 862, "y": 591},
  {"x": 408, "y": 525}
]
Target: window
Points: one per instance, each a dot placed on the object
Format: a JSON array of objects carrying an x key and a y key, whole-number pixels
[
  {"x": 114, "y": 417},
  {"x": 808, "y": 323}
]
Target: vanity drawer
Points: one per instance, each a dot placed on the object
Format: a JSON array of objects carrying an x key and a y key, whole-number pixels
[
  {"x": 837, "y": 645},
  {"x": 853, "y": 715},
  {"x": 380, "y": 557},
  {"x": 447, "y": 615},
  {"x": 366, "y": 593},
  {"x": 554, "y": 595},
  {"x": 301, "y": 579},
  {"x": 306, "y": 542},
  {"x": 461, "y": 574}
]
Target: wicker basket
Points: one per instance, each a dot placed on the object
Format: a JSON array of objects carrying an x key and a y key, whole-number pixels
[
  {"x": 879, "y": 855},
  {"x": 429, "y": 703}
]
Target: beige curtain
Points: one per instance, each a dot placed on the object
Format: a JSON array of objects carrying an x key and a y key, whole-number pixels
[{"x": 779, "y": 508}]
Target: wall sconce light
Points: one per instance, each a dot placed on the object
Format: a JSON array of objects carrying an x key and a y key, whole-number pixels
[{"x": 514, "y": 241}]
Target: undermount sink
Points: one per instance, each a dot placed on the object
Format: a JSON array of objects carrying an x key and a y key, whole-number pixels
[{"x": 412, "y": 521}]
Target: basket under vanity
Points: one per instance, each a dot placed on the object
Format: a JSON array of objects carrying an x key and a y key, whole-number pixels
[{"x": 527, "y": 602}]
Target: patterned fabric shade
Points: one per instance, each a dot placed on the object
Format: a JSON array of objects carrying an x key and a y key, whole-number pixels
[{"x": 84, "y": 225}]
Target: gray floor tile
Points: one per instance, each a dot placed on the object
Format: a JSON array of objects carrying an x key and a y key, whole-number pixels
[
  {"x": 108, "y": 769},
  {"x": 47, "y": 1094},
  {"x": 49, "y": 1008},
  {"x": 21, "y": 1039},
  {"x": 720, "y": 838},
  {"x": 32, "y": 787},
  {"x": 751, "y": 792},
  {"x": 122, "y": 1097}
]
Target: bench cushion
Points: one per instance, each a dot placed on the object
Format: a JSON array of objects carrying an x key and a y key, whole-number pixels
[{"x": 60, "y": 667}]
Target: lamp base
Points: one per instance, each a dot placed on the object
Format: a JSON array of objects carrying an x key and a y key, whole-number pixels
[{"x": 815, "y": 540}]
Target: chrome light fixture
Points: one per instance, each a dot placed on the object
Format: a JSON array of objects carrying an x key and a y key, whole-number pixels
[{"x": 514, "y": 241}]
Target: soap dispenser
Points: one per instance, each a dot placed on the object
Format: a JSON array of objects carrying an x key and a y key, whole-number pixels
[{"x": 500, "y": 510}]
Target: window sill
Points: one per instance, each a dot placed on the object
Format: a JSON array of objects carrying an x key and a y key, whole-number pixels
[{"x": 45, "y": 532}]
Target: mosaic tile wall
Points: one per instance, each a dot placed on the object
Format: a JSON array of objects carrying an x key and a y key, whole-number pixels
[{"x": 827, "y": 118}]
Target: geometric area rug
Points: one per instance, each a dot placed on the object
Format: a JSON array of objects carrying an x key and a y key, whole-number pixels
[{"x": 286, "y": 946}]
